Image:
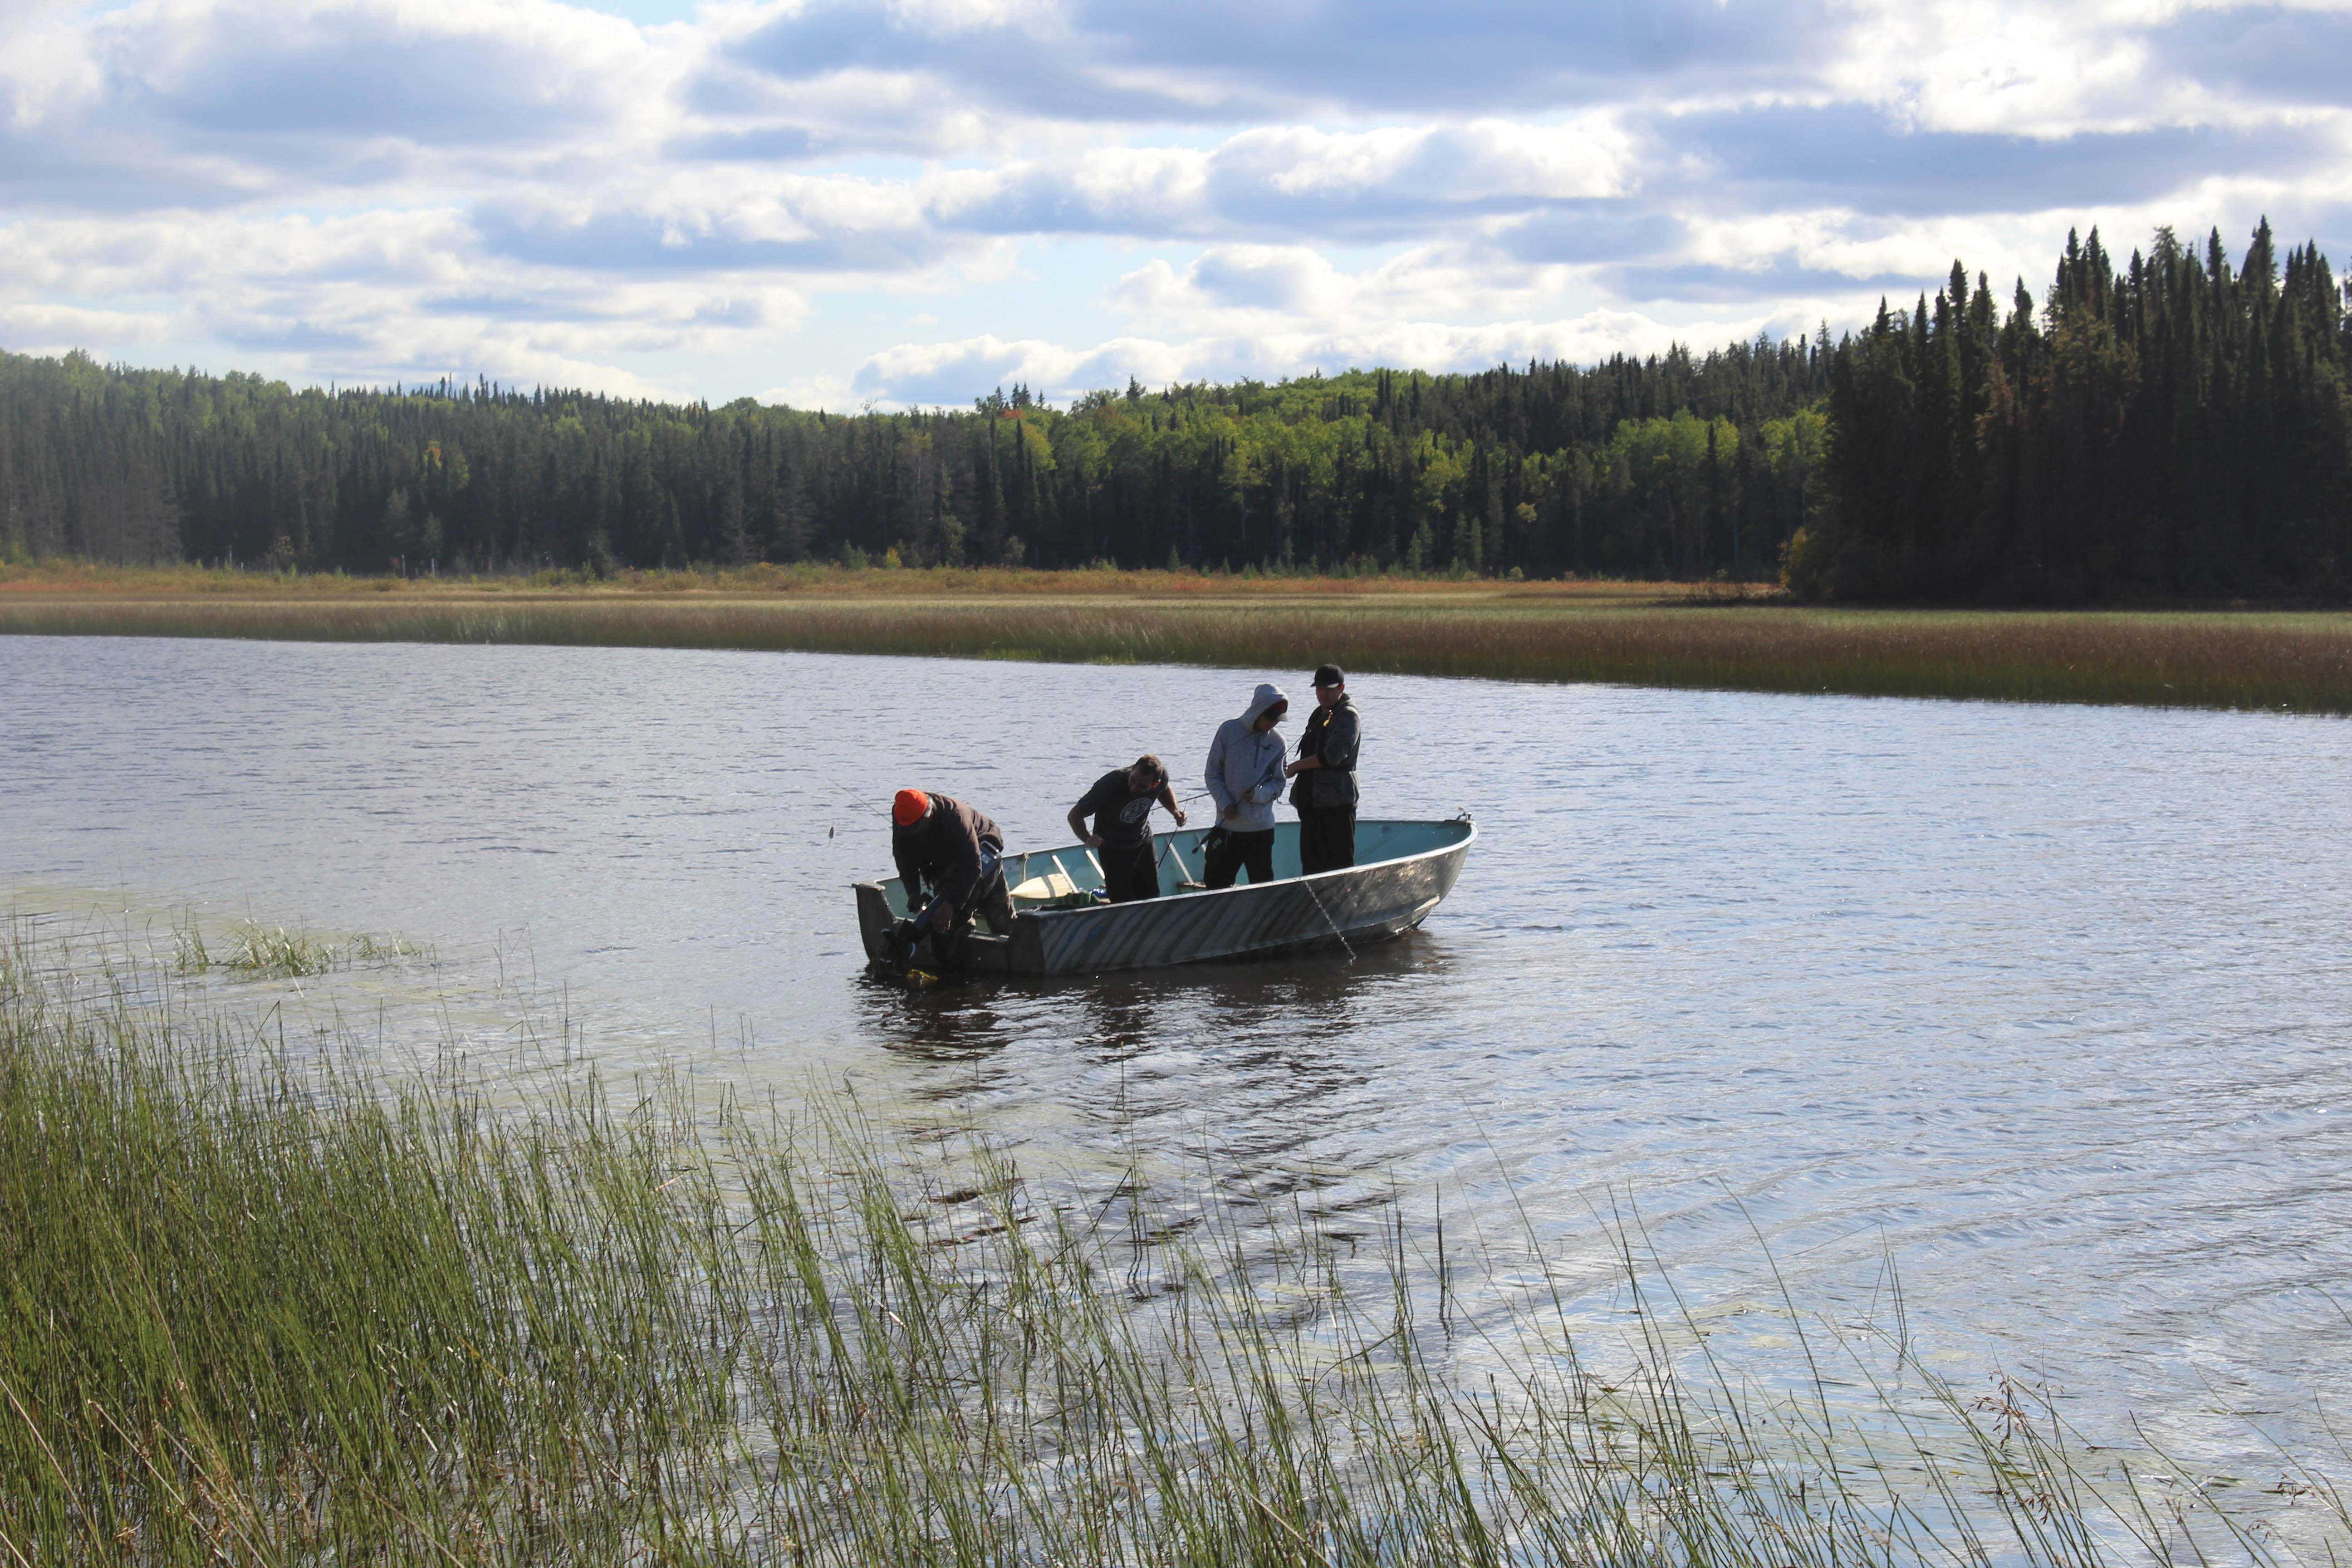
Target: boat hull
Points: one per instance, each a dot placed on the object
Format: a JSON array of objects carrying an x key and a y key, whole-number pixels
[{"x": 1403, "y": 870}]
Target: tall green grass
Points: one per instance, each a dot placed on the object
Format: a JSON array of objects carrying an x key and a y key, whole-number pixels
[
  {"x": 255, "y": 951},
  {"x": 2296, "y": 661},
  {"x": 255, "y": 1315}
]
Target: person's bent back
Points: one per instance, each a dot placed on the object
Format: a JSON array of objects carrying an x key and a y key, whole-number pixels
[
  {"x": 949, "y": 857},
  {"x": 1120, "y": 804}
]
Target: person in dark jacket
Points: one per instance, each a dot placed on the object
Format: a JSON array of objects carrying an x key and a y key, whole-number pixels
[
  {"x": 947, "y": 856},
  {"x": 1120, "y": 803},
  {"x": 1323, "y": 785}
]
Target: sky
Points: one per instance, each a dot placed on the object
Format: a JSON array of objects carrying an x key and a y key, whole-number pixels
[{"x": 842, "y": 204}]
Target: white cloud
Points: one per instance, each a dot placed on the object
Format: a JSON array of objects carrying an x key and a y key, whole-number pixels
[
  {"x": 1236, "y": 288},
  {"x": 1481, "y": 160},
  {"x": 907, "y": 374},
  {"x": 523, "y": 187},
  {"x": 30, "y": 327},
  {"x": 374, "y": 296}
]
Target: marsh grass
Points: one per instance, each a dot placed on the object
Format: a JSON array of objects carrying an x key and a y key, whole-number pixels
[
  {"x": 2297, "y": 661},
  {"x": 253, "y": 951},
  {"x": 259, "y": 1314}
]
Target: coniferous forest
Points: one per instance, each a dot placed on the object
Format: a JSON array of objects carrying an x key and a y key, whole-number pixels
[{"x": 2173, "y": 427}]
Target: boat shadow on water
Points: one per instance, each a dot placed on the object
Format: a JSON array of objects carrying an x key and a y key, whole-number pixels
[{"x": 1127, "y": 1013}]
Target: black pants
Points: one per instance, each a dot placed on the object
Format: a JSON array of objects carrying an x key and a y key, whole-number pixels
[
  {"x": 990, "y": 901},
  {"x": 995, "y": 905},
  {"x": 1327, "y": 839},
  {"x": 1251, "y": 852},
  {"x": 1130, "y": 872}
]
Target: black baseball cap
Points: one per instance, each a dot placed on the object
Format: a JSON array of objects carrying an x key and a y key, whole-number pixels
[{"x": 1330, "y": 674}]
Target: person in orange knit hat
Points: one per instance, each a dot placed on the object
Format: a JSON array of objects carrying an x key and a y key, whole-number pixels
[{"x": 949, "y": 854}]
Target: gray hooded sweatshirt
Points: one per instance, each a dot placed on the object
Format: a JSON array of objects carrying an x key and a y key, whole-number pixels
[{"x": 1245, "y": 767}]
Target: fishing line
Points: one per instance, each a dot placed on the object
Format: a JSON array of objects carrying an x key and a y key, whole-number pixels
[
  {"x": 848, "y": 796},
  {"x": 1308, "y": 883}
]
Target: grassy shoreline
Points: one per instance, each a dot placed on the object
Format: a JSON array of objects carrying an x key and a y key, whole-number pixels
[
  {"x": 590, "y": 1329},
  {"x": 1699, "y": 635}
]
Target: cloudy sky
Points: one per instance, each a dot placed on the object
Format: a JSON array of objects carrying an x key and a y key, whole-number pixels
[{"x": 841, "y": 202}]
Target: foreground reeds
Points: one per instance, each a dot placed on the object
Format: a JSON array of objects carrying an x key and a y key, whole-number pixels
[
  {"x": 259, "y": 1314},
  {"x": 2295, "y": 661}
]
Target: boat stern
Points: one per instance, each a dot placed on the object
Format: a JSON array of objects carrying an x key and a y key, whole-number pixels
[
  {"x": 881, "y": 905},
  {"x": 875, "y": 918}
]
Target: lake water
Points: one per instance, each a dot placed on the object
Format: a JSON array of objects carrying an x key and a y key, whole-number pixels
[{"x": 2047, "y": 1006}]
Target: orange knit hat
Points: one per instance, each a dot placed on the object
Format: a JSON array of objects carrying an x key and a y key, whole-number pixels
[{"x": 912, "y": 807}]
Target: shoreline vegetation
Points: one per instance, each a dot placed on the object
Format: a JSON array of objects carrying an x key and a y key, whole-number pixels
[
  {"x": 1712, "y": 634},
  {"x": 583, "y": 1326}
]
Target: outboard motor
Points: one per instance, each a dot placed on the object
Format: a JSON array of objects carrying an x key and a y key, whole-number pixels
[{"x": 905, "y": 945}]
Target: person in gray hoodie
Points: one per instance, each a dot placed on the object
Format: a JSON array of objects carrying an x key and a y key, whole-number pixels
[{"x": 1244, "y": 778}]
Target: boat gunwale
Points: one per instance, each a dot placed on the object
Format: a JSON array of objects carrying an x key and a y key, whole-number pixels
[
  {"x": 1463, "y": 844},
  {"x": 1465, "y": 819}
]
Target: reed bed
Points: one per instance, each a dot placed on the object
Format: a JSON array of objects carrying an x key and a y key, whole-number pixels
[
  {"x": 253, "y": 951},
  {"x": 2295, "y": 661},
  {"x": 259, "y": 1314}
]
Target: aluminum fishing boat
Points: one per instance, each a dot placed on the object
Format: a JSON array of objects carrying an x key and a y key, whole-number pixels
[{"x": 1401, "y": 870}]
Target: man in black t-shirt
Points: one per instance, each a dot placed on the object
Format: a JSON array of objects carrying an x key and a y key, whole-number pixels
[{"x": 1120, "y": 803}]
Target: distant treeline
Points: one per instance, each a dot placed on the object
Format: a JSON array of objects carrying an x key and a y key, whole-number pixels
[
  {"x": 2175, "y": 427},
  {"x": 1676, "y": 464}
]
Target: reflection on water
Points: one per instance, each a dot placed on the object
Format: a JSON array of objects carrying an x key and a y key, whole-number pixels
[
  {"x": 2045, "y": 1005},
  {"x": 1261, "y": 1062}
]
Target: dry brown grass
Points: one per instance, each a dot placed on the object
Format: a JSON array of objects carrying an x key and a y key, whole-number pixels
[{"x": 2294, "y": 661}]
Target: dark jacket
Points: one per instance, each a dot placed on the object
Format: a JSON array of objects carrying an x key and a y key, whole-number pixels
[
  {"x": 1334, "y": 735},
  {"x": 942, "y": 852}
]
